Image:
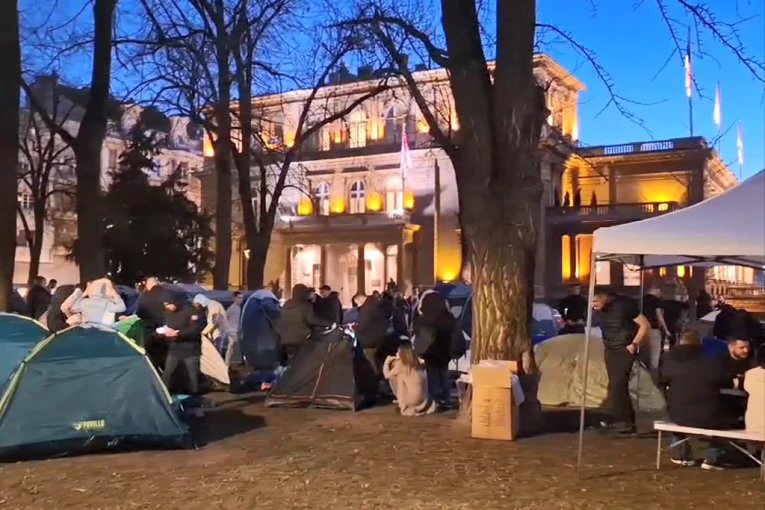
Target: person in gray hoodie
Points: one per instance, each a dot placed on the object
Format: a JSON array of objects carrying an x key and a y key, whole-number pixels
[{"x": 100, "y": 303}]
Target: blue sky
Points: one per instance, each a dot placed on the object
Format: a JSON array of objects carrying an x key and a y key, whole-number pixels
[{"x": 633, "y": 45}]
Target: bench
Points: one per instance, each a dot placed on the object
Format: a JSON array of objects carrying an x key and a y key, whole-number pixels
[{"x": 730, "y": 435}]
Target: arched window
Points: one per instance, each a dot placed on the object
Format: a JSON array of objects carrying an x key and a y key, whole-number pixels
[
  {"x": 394, "y": 194},
  {"x": 394, "y": 122},
  {"x": 321, "y": 195},
  {"x": 357, "y": 128},
  {"x": 357, "y": 198}
]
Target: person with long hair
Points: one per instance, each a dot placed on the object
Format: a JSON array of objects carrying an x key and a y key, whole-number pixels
[{"x": 406, "y": 375}]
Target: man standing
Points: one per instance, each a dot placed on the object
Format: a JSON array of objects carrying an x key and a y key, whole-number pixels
[
  {"x": 151, "y": 310},
  {"x": 233, "y": 316},
  {"x": 328, "y": 306},
  {"x": 371, "y": 332},
  {"x": 217, "y": 328},
  {"x": 624, "y": 330},
  {"x": 38, "y": 298},
  {"x": 183, "y": 332},
  {"x": 573, "y": 308},
  {"x": 653, "y": 311}
]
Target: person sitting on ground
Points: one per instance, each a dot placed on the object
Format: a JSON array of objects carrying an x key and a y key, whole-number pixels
[
  {"x": 434, "y": 328},
  {"x": 100, "y": 303},
  {"x": 406, "y": 376},
  {"x": 183, "y": 333},
  {"x": 328, "y": 306},
  {"x": 694, "y": 400},
  {"x": 298, "y": 321}
]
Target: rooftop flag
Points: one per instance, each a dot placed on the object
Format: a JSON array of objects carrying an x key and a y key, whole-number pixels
[
  {"x": 740, "y": 145},
  {"x": 718, "y": 112},
  {"x": 406, "y": 157},
  {"x": 688, "y": 69}
]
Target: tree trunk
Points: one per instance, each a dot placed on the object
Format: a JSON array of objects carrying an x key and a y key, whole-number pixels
[
  {"x": 35, "y": 248},
  {"x": 223, "y": 216},
  {"x": 256, "y": 264},
  {"x": 10, "y": 62},
  {"x": 88, "y": 144}
]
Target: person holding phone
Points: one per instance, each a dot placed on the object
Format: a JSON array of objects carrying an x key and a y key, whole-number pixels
[{"x": 183, "y": 333}]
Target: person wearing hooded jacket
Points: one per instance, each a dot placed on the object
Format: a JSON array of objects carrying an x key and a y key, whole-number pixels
[
  {"x": 434, "y": 326},
  {"x": 298, "y": 320},
  {"x": 183, "y": 334}
]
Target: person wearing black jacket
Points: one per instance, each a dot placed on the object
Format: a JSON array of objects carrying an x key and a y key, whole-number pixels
[
  {"x": 38, "y": 298},
  {"x": 56, "y": 320},
  {"x": 693, "y": 383},
  {"x": 183, "y": 334},
  {"x": 298, "y": 321},
  {"x": 150, "y": 308},
  {"x": 573, "y": 308},
  {"x": 328, "y": 306},
  {"x": 434, "y": 328},
  {"x": 371, "y": 335}
]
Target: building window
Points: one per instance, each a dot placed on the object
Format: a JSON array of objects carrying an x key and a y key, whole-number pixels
[
  {"x": 631, "y": 275},
  {"x": 565, "y": 247},
  {"x": 21, "y": 238},
  {"x": 583, "y": 256},
  {"x": 394, "y": 194},
  {"x": 357, "y": 198},
  {"x": 321, "y": 195},
  {"x": 25, "y": 200},
  {"x": 602, "y": 272},
  {"x": 394, "y": 123},
  {"x": 357, "y": 128}
]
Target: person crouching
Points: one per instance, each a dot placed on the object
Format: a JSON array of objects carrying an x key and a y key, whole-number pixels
[
  {"x": 408, "y": 381},
  {"x": 183, "y": 333}
]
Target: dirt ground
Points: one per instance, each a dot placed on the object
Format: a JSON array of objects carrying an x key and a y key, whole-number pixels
[{"x": 375, "y": 459}]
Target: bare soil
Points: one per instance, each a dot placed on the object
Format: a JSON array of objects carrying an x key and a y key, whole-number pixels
[{"x": 375, "y": 459}]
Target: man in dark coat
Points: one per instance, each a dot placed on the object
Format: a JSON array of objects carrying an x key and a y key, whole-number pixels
[
  {"x": 150, "y": 308},
  {"x": 183, "y": 334},
  {"x": 434, "y": 328},
  {"x": 38, "y": 298},
  {"x": 328, "y": 306},
  {"x": 298, "y": 320},
  {"x": 573, "y": 308},
  {"x": 693, "y": 384},
  {"x": 371, "y": 333}
]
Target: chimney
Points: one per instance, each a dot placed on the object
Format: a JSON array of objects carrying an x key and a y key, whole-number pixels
[
  {"x": 333, "y": 78},
  {"x": 404, "y": 61},
  {"x": 420, "y": 67}
]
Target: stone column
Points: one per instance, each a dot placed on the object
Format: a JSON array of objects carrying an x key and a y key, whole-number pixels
[
  {"x": 323, "y": 264},
  {"x": 386, "y": 276},
  {"x": 288, "y": 274},
  {"x": 400, "y": 258},
  {"x": 361, "y": 270}
]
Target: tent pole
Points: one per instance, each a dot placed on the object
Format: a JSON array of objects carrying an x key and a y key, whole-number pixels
[
  {"x": 585, "y": 365},
  {"x": 637, "y": 352}
]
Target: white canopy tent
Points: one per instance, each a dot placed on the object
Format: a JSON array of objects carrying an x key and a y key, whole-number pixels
[{"x": 728, "y": 229}]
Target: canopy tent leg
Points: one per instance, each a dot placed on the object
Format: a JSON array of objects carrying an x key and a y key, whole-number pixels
[
  {"x": 585, "y": 364},
  {"x": 637, "y": 352}
]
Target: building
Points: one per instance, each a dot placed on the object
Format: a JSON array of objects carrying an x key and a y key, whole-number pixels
[
  {"x": 184, "y": 153},
  {"x": 357, "y": 223}
]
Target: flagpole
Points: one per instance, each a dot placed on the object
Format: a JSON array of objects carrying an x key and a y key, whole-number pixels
[
  {"x": 690, "y": 112},
  {"x": 436, "y": 216}
]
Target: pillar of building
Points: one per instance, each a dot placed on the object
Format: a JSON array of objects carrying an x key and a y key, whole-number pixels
[
  {"x": 386, "y": 276},
  {"x": 323, "y": 264},
  {"x": 573, "y": 262},
  {"x": 288, "y": 273},
  {"x": 400, "y": 258},
  {"x": 361, "y": 270}
]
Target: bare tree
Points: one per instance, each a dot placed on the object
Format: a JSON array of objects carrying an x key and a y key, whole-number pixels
[
  {"x": 10, "y": 63},
  {"x": 45, "y": 173},
  {"x": 501, "y": 108},
  {"x": 87, "y": 142}
]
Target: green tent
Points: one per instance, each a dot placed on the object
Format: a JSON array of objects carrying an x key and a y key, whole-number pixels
[
  {"x": 132, "y": 327},
  {"x": 85, "y": 388}
]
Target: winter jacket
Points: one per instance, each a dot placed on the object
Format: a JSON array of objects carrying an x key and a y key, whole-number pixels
[
  {"x": 185, "y": 319},
  {"x": 56, "y": 317},
  {"x": 694, "y": 382},
  {"x": 38, "y": 300},
  {"x": 298, "y": 320},
  {"x": 329, "y": 308},
  {"x": 99, "y": 307},
  {"x": 372, "y": 326},
  {"x": 617, "y": 322},
  {"x": 151, "y": 307},
  {"x": 217, "y": 321},
  {"x": 410, "y": 385},
  {"x": 435, "y": 325}
]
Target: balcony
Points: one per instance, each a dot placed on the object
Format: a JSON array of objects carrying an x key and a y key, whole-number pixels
[
  {"x": 343, "y": 221},
  {"x": 619, "y": 213}
]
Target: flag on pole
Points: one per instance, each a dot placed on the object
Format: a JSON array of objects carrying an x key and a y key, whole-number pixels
[
  {"x": 718, "y": 112},
  {"x": 406, "y": 157},
  {"x": 688, "y": 70},
  {"x": 740, "y": 145}
]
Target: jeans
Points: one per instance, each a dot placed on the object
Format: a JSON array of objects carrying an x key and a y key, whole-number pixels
[
  {"x": 684, "y": 451},
  {"x": 619, "y": 367},
  {"x": 190, "y": 363},
  {"x": 439, "y": 388}
]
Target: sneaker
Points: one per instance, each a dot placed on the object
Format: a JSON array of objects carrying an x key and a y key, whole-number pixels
[
  {"x": 682, "y": 462},
  {"x": 711, "y": 466}
]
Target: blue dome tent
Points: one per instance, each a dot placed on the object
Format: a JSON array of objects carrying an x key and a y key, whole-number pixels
[
  {"x": 86, "y": 388},
  {"x": 259, "y": 340},
  {"x": 18, "y": 336}
]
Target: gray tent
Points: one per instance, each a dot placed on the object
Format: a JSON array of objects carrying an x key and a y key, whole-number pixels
[{"x": 560, "y": 361}]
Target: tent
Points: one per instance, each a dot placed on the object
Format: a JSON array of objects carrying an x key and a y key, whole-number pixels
[
  {"x": 18, "y": 336},
  {"x": 561, "y": 381},
  {"x": 259, "y": 340},
  {"x": 726, "y": 229},
  {"x": 83, "y": 389},
  {"x": 131, "y": 327},
  {"x": 324, "y": 373}
]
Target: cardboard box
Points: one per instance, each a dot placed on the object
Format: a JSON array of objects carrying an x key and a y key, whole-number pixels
[{"x": 494, "y": 413}]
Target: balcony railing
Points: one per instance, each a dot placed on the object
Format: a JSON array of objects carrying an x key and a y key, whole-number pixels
[
  {"x": 645, "y": 147},
  {"x": 343, "y": 220},
  {"x": 610, "y": 212}
]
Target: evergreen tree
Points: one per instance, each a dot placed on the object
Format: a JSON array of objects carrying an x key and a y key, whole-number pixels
[{"x": 152, "y": 229}]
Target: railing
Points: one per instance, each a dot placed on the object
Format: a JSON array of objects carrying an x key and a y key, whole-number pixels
[
  {"x": 343, "y": 220},
  {"x": 696, "y": 142},
  {"x": 611, "y": 211}
]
